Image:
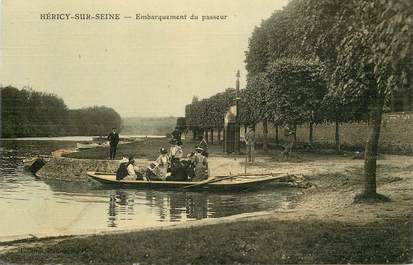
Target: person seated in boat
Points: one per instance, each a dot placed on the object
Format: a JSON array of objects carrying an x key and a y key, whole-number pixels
[
  {"x": 153, "y": 172},
  {"x": 163, "y": 162},
  {"x": 127, "y": 169},
  {"x": 200, "y": 165},
  {"x": 179, "y": 170},
  {"x": 176, "y": 152},
  {"x": 122, "y": 170}
]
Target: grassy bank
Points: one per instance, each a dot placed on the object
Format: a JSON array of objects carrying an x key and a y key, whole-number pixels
[{"x": 248, "y": 242}]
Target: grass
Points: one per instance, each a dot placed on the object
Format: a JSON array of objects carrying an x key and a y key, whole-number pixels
[{"x": 246, "y": 242}]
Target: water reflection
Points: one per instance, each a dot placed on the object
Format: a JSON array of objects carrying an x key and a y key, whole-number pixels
[
  {"x": 120, "y": 206},
  {"x": 181, "y": 206}
]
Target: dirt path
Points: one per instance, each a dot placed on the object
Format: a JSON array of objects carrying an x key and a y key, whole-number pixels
[{"x": 337, "y": 180}]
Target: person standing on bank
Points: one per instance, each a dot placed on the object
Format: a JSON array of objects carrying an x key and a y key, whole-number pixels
[
  {"x": 250, "y": 142},
  {"x": 113, "y": 139}
]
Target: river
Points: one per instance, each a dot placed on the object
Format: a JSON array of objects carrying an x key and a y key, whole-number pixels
[{"x": 31, "y": 206}]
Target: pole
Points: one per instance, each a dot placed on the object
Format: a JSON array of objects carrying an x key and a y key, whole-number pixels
[
  {"x": 246, "y": 158},
  {"x": 237, "y": 148}
]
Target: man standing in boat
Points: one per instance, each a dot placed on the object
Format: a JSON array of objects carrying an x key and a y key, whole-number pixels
[{"x": 113, "y": 139}]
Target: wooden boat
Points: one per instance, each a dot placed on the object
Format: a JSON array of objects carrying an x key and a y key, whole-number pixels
[
  {"x": 236, "y": 182},
  {"x": 90, "y": 145},
  {"x": 62, "y": 151}
]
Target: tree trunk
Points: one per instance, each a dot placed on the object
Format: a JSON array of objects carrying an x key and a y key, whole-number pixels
[
  {"x": 277, "y": 140},
  {"x": 370, "y": 159},
  {"x": 310, "y": 136},
  {"x": 193, "y": 134},
  {"x": 219, "y": 135},
  {"x": 212, "y": 135},
  {"x": 224, "y": 139},
  {"x": 295, "y": 133},
  {"x": 265, "y": 135},
  {"x": 337, "y": 137}
]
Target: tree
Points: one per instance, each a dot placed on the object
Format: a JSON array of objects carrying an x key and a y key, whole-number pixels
[
  {"x": 29, "y": 113},
  {"x": 366, "y": 48},
  {"x": 372, "y": 62},
  {"x": 208, "y": 114},
  {"x": 253, "y": 105}
]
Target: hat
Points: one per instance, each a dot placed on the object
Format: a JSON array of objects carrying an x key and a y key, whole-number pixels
[
  {"x": 131, "y": 158},
  {"x": 200, "y": 149},
  {"x": 124, "y": 160},
  {"x": 172, "y": 141},
  {"x": 163, "y": 150}
]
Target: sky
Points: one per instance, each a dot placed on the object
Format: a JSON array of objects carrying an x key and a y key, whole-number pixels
[{"x": 137, "y": 67}]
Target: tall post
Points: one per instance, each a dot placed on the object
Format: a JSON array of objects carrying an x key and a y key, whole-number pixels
[
  {"x": 237, "y": 126},
  {"x": 224, "y": 138}
]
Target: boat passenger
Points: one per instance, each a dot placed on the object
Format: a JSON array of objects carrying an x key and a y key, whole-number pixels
[
  {"x": 126, "y": 169},
  {"x": 200, "y": 164},
  {"x": 153, "y": 172},
  {"x": 163, "y": 162},
  {"x": 176, "y": 152},
  {"x": 179, "y": 170}
]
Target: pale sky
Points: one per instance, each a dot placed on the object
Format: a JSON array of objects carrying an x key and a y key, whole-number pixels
[{"x": 139, "y": 68}]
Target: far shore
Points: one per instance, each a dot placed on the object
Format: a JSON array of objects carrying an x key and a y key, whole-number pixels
[{"x": 323, "y": 224}]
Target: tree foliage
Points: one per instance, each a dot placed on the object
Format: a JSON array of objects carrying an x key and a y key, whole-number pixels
[
  {"x": 296, "y": 91},
  {"x": 29, "y": 113},
  {"x": 331, "y": 60},
  {"x": 209, "y": 113}
]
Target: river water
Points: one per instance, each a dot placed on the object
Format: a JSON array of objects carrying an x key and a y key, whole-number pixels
[{"x": 33, "y": 206}]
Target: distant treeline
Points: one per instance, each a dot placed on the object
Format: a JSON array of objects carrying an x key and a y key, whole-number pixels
[
  {"x": 148, "y": 126},
  {"x": 27, "y": 113}
]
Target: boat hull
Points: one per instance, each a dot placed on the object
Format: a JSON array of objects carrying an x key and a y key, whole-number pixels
[{"x": 225, "y": 185}]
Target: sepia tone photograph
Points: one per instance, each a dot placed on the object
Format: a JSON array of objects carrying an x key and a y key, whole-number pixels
[{"x": 206, "y": 132}]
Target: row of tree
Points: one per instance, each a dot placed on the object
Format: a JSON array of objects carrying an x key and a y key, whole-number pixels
[
  {"x": 329, "y": 60},
  {"x": 29, "y": 113},
  {"x": 203, "y": 116}
]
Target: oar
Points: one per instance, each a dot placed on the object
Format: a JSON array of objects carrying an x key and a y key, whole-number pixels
[
  {"x": 246, "y": 161},
  {"x": 219, "y": 178},
  {"x": 211, "y": 180}
]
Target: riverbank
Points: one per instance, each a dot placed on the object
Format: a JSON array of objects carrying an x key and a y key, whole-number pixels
[
  {"x": 147, "y": 148},
  {"x": 323, "y": 224}
]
